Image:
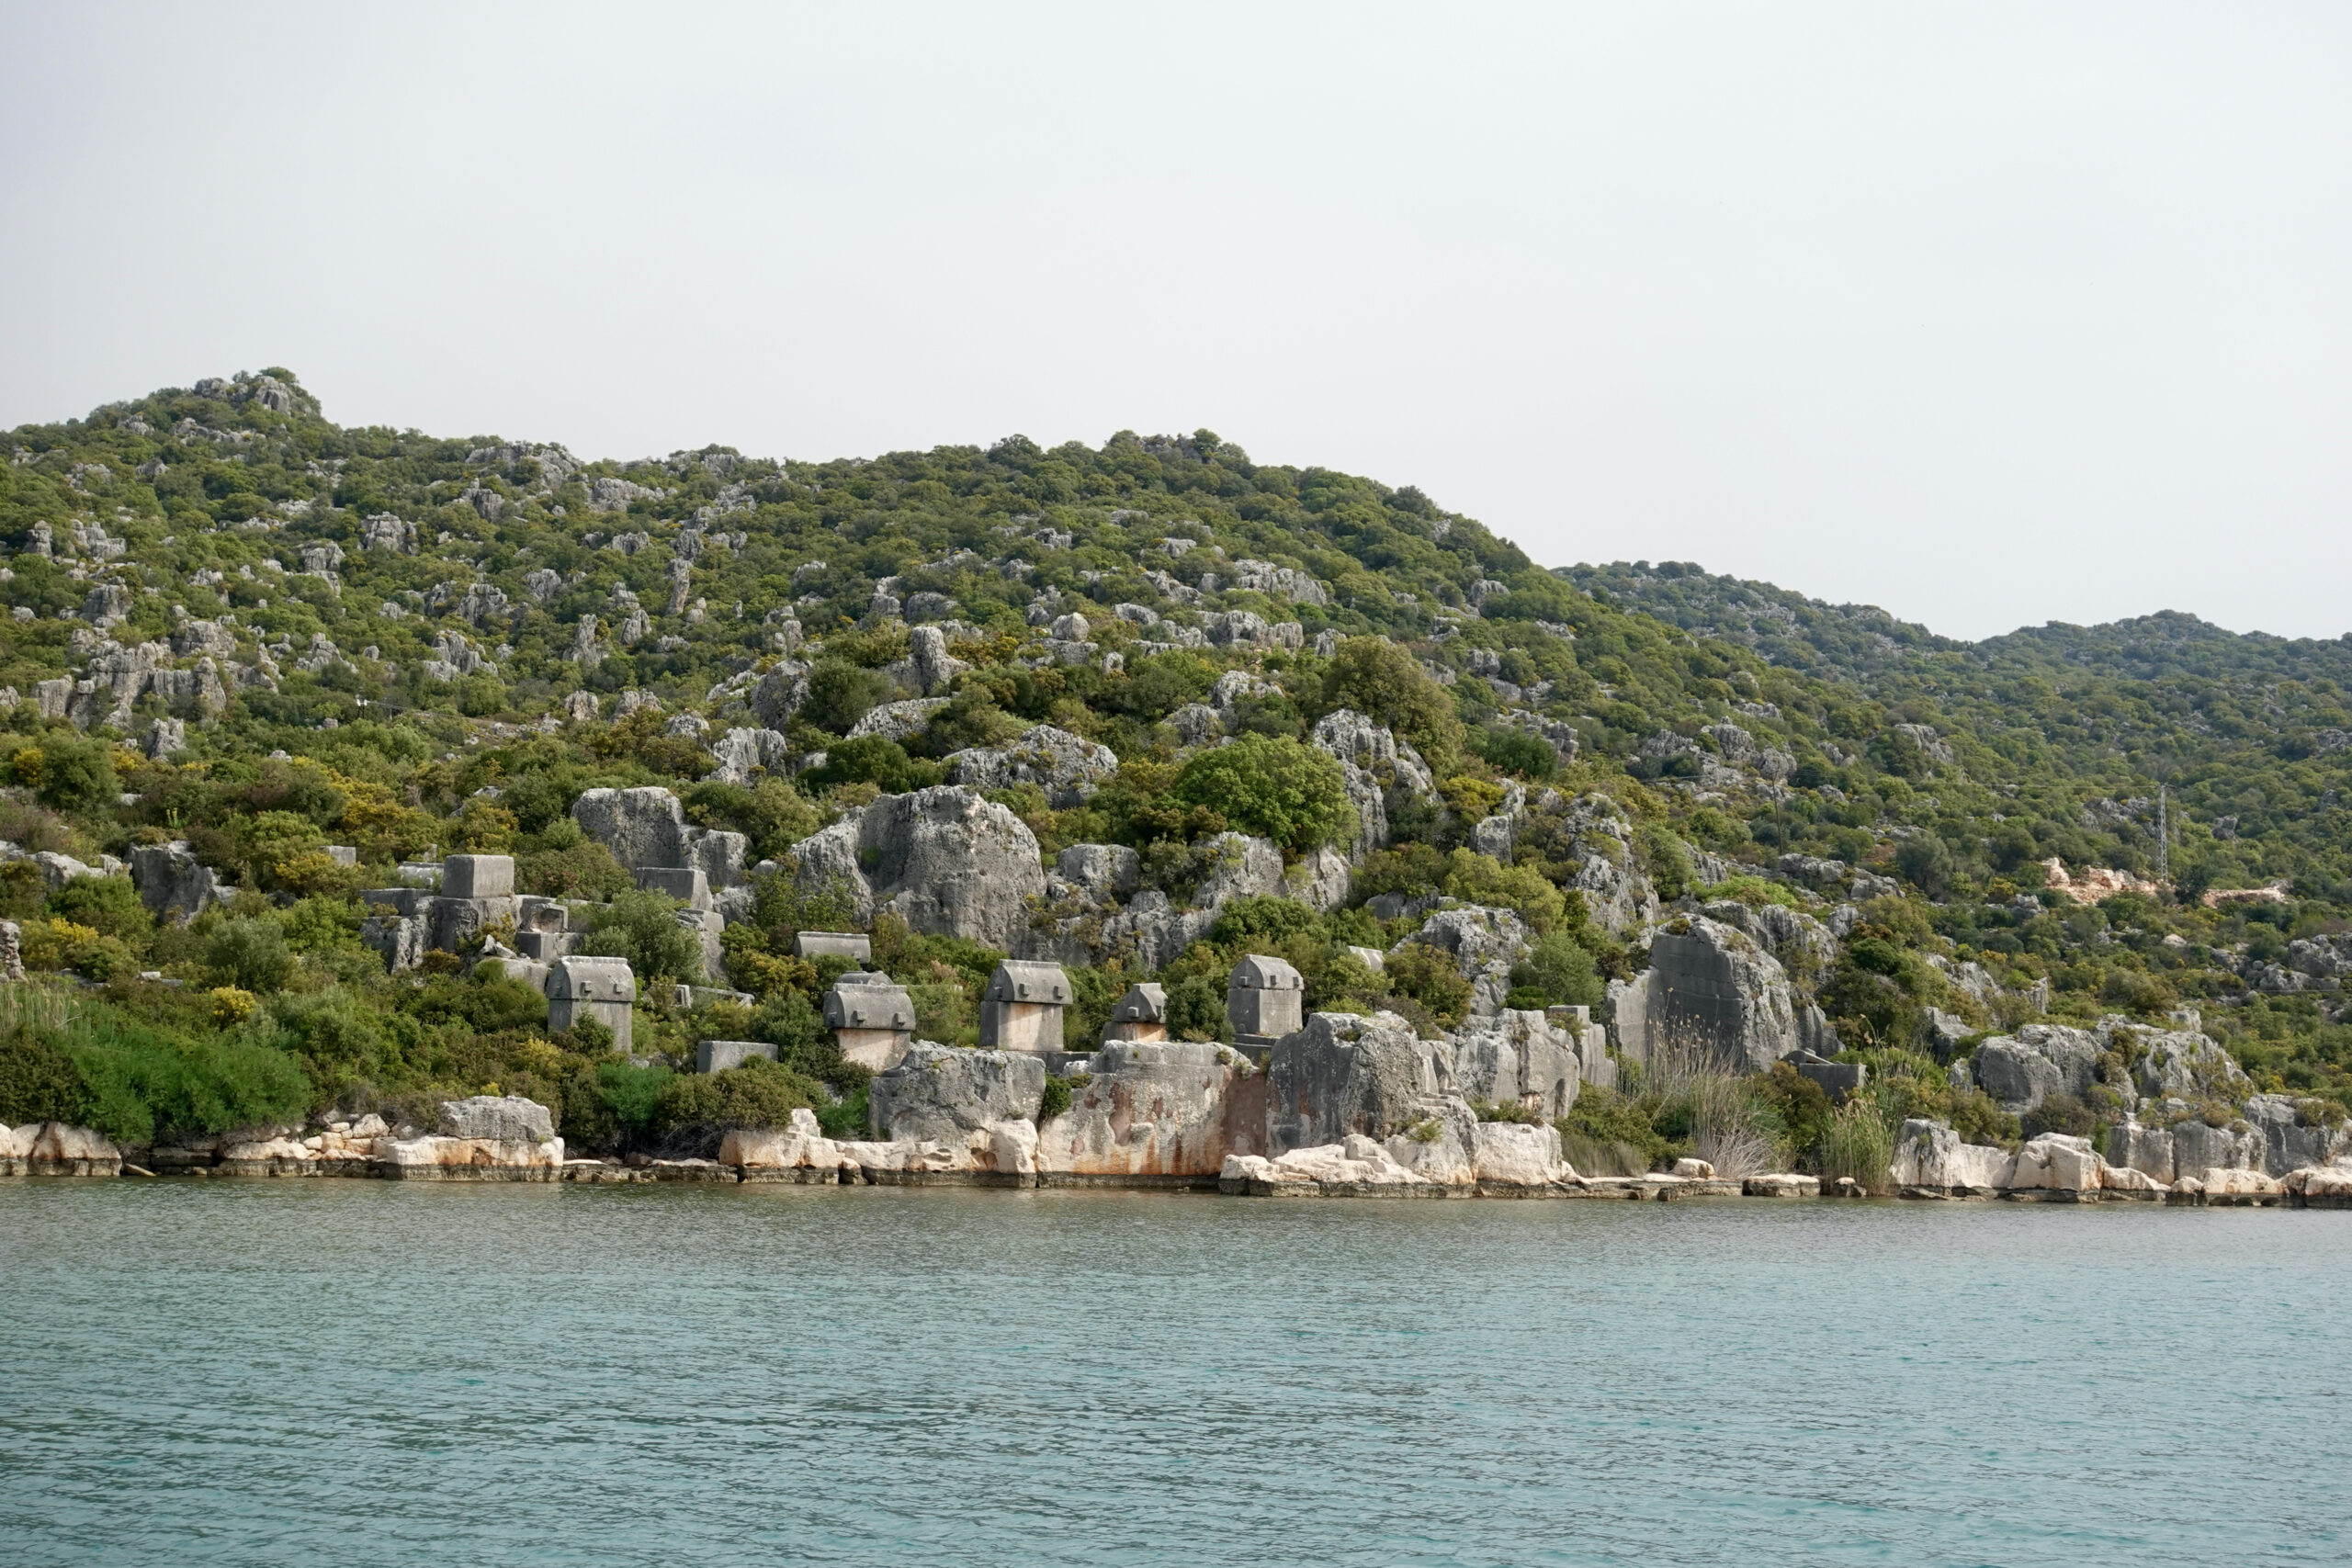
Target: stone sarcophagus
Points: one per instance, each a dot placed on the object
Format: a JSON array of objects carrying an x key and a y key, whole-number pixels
[
  {"x": 1023, "y": 1005},
  {"x": 872, "y": 1016},
  {"x": 601, "y": 989},
  {"x": 1141, "y": 1014},
  {"x": 1266, "y": 998}
]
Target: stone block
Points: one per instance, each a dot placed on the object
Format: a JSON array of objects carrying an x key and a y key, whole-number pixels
[
  {"x": 718, "y": 1055},
  {"x": 601, "y": 989},
  {"x": 478, "y": 876},
  {"x": 688, "y": 884},
  {"x": 545, "y": 947},
  {"x": 832, "y": 944},
  {"x": 1266, "y": 998},
  {"x": 1023, "y": 1007}
]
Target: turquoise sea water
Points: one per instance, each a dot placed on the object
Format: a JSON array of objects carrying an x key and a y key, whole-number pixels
[{"x": 275, "y": 1371}]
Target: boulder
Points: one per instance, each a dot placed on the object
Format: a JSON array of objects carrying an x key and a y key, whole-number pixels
[
  {"x": 801, "y": 1146},
  {"x": 942, "y": 1095},
  {"x": 1347, "y": 1074},
  {"x": 1066, "y": 767},
  {"x": 446, "y": 1158},
  {"x": 899, "y": 721},
  {"x": 172, "y": 882},
  {"x": 641, "y": 827},
  {"x": 945, "y": 859},
  {"x": 1484, "y": 942},
  {"x": 500, "y": 1118},
  {"x": 1356, "y": 1167},
  {"x": 2056, "y": 1162},
  {"x": 53, "y": 1148},
  {"x": 1712, "y": 996},
  {"x": 745, "y": 753},
  {"x": 1516, "y": 1154},
  {"x": 1518, "y": 1058},
  {"x": 779, "y": 693},
  {"x": 1930, "y": 1156},
  {"x": 1158, "y": 1108}
]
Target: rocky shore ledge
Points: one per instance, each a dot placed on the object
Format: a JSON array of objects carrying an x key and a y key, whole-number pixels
[{"x": 1347, "y": 1106}]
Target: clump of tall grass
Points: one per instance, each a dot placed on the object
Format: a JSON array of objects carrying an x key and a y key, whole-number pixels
[{"x": 1858, "y": 1141}]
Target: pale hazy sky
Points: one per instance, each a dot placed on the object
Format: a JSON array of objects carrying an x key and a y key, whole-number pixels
[{"x": 1988, "y": 313}]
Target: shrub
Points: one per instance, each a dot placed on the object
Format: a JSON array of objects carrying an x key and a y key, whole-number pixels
[
  {"x": 76, "y": 774},
  {"x": 644, "y": 928},
  {"x": 1561, "y": 971},
  {"x": 1387, "y": 684},
  {"x": 1479, "y": 879},
  {"x": 1428, "y": 976},
  {"x": 870, "y": 759},
  {"x": 1272, "y": 786},
  {"x": 250, "y": 954},
  {"x": 839, "y": 695},
  {"x": 1516, "y": 751},
  {"x": 758, "y": 1094},
  {"x": 108, "y": 905}
]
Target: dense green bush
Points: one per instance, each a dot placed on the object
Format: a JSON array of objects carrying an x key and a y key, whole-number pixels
[{"x": 1273, "y": 787}]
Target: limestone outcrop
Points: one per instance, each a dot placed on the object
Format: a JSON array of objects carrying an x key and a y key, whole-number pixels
[
  {"x": 945, "y": 861},
  {"x": 938, "y": 1094},
  {"x": 171, "y": 881},
  {"x": 1348, "y": 1073},
  {"x": 1484, "y": 942},
  {"x": 1518, "y": 1058},
  {"x": 1356, "y": 1167},
  {"x": 1712, "y": 996},
  {"x": 486, "y": 1138},
  {"x": 1066, "y": 767},
  {"x": 1158, "y": 1108},
  {"x": 54, "y": 1148},
  {"x": 1376, "y": 766}
]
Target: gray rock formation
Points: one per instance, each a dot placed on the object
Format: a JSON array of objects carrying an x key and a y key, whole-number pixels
[
  {"x": 947, "y": 862},
  {"x": 1519, "y": 1058},
  {"x": 2297, "y": 1133},
  {"x": 1347, "y": 1074},
  {"x": 780, "y": 693},
  {"x": 1484, "y": 942},
  {"x": 641, "y": 827},
  {"x": 743, "y": 754},
  {"x": 897, "y": 721},
  {"x": 1066, "y": 767},
  {"x": 502, "y": 1118},
  {"x": 1158, "y": 1109},
  {"x": 1376, "y": 765},
  {"x": 1712, "y": 998},
  {"x": 937, "y": 1094},
  {"x": 1100, "y": 871},
  {"x": 172, "y": 882},
  {"x": 1238, "y": 866}
]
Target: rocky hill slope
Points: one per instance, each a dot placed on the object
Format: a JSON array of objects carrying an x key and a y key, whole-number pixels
[{"x": 1138, "y": 709}]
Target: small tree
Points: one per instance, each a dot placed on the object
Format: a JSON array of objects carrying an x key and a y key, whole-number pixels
[{"x": 1273, "y": 786}]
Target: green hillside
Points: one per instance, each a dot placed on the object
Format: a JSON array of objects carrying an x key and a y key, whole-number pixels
[{"x": 399, "y": 625}]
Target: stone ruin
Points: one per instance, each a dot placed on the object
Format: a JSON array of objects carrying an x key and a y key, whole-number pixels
[
  {"x": 1023, "y": 1007},
  {"x": 702, "y": 867},
  {"x": 1266, "y": 998},
  {"x": 718, "y": 1055},
  {"x": 1141, "y": 1014},
  {"x": 476, "y": 892},
  {"x": 872, "y": 1016},
  {"x": 601, "y": 989},
  {"x": 852, "y": 945}
]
